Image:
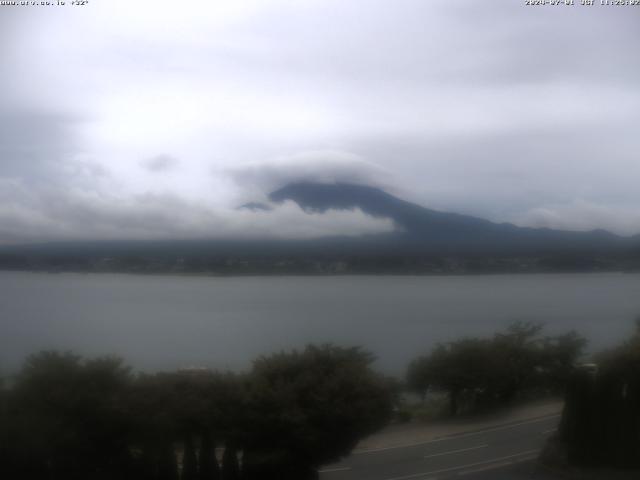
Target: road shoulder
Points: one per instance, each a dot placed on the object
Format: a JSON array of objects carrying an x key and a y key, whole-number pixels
[{"x": 415, "y": 433}]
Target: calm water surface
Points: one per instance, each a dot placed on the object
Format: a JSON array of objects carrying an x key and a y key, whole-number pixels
[{"x": 159, "y": 322}]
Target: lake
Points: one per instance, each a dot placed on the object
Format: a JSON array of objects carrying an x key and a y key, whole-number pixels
[{"x": 166, "y": 322}]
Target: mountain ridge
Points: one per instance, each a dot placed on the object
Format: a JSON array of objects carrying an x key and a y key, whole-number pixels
[
  {"x": 432, "y": 227},
  {"x": 426, "y": 242}
]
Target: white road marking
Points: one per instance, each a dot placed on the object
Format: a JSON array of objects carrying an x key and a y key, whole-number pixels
[
  {"x": 451, "y": 452},
  {"x": 547, "y": 432},
  {"x": 337, "y": 469},
  {"x": 493, "y": 466},
  {"x": 463, "y": 467},
  {"x": 487, "y": 468},
  {"x": 455, "y": 437}
]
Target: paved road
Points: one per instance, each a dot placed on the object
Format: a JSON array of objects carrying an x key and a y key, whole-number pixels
[{"x": 502, "y": 452}]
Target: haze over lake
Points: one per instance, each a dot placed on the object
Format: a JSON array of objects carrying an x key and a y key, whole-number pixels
[{"x": 166, "y": 322}]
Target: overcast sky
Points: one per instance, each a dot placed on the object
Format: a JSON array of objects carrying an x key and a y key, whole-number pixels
[{"x": 152, "y": 118}]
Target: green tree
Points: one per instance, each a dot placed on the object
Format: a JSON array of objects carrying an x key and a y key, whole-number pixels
[
  {"x": 69, "y": 417},
  {"x": 461, "y": 369},
  {"x": 230, "y": 466},
  {"x": 496, "y": 370},
  {"x": 560, "y": 354},
  {"x": 418, "y": 377},
  {"x": 189, "y": 460},
  {"x": 601, "y": 420},
  {"x": 310, "y": 408},
  {"x": 209, "y": 468},
  {"x": 516, "y": 358},
  {"x": 5, "y": 435}
]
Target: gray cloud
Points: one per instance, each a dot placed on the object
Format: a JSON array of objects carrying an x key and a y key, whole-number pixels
[
  {"x": 34, "y": 143},
  {"x": 52, "y": 214},
  {"x": 502, "y": 111},
  {"x": 325, "y": 166},
  {"x": 584, "y": 215},
  {"x": 504, "y": 175},
  {"x": 160, "y": 163}
]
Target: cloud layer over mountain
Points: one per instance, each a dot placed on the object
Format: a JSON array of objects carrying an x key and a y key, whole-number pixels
[
  {"x": 156, "y": 118},
  {"x": 54, "y": 215}
]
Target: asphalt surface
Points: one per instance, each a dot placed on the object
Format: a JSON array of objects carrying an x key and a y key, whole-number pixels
[{"x": 503, "y": 452}]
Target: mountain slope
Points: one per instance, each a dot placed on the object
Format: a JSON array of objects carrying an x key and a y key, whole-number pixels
[
  {"x": 421, "y": 233},
  {"x": 425, "y": 229}
]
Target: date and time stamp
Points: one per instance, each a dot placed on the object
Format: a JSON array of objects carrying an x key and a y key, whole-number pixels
[
  {"x": 532, "y": 3},
  {"x": 583, "y": 3},
  {"x": 44, "y": 3}
]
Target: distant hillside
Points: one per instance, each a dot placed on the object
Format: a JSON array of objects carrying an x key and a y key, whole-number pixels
[
  {"x": 430, "y": 230},
  {"x": 425, "y": 241}
]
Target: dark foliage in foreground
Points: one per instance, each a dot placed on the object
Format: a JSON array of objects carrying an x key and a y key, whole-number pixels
[
  {"x": 68, "y": 418},
  {"x": 601, "y": 420},
  {"x": 308, "y": 409},
  {"x": 477, "y": 372}
]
